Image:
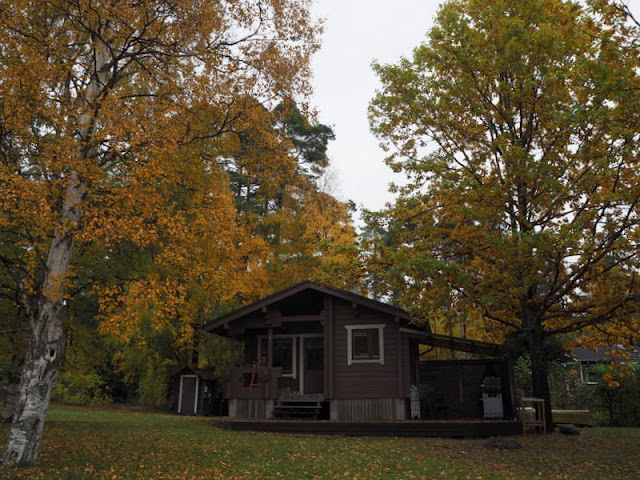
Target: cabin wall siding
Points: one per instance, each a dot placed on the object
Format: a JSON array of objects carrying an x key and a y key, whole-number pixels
[
  {"x": 404, "y": 365},
  {"x": 368, "y": 380}
]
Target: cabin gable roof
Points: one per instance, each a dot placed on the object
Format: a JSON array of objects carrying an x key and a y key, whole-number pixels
[{"x": 300, "y": 288}]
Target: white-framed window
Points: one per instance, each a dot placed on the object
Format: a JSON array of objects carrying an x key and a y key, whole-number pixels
[
  {"x": 365, "y": 344},
  {"x": 285, "y": 353}
]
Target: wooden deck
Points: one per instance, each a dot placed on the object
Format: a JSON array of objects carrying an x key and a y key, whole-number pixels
[{"x": 408, "y": 428}]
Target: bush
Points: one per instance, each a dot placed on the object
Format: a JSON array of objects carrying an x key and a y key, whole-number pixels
[
  {"x": 620, "y": 406},
  {"x": 154, "y": 381},
  {"x": 80, "y": 389}
]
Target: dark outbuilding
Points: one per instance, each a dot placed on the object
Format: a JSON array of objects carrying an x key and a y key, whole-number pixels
[{"x": 196, "y": 392}]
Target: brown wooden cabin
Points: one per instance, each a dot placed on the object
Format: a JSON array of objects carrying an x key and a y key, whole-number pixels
[{"x": 316, "y": 351}]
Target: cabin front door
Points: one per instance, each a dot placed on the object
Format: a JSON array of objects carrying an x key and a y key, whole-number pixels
[{"x": 313, "y": 364}]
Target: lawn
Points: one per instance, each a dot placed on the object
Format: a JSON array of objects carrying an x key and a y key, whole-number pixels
[{"x": 86, "y": 443}]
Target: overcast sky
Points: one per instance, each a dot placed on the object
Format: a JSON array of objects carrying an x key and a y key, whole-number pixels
[{"x": 356, "y": 33}]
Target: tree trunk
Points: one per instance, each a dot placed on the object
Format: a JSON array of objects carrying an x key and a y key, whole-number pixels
[
  {"x": 46, "y": 347},
  {"x": 45, "y": 309},
  {"x": 44, "y": 354},
  {"x": 539, "y": 371}
]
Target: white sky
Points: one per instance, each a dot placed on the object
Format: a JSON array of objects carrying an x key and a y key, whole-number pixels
[{"x": 356, "y": 33}]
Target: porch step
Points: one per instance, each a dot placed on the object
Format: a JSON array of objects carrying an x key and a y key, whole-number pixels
[{"x": 297, "y": 408}]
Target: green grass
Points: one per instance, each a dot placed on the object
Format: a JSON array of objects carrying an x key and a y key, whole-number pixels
[{"x": 87, "y": 443}]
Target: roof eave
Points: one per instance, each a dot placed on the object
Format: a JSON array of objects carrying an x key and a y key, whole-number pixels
[{"x": 220, "y": 322}]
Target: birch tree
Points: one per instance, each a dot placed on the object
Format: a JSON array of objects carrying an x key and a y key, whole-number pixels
[{"x": 90, "y": 92}]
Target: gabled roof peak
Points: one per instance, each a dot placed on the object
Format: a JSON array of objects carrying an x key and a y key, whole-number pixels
[{"x": 301, "y": 287}]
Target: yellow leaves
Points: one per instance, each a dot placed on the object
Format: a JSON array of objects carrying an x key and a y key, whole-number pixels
[
  {"x": 148, "y": 305},
  {"x": 159, "y": 229},
  {"x": 180, "y": 216},
  {"x": 514, "y": 206},
  {"x": 618, "y": 369},
  {"x": 610, "y": 380},
  {"x": 57, "y": 285},
  {"x": 314, "y": 239},
  {"x": 22, "y": 199}
]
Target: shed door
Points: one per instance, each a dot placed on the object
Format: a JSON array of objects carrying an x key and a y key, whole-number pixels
[
  {"x": 313, "y": 357},
  {"x": 188, "y": 394}
]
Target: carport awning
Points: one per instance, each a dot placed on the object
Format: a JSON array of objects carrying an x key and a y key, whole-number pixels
[{"x": 457, "y": 344}]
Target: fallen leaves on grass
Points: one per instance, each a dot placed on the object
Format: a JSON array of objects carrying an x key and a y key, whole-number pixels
[{"x": 115, "y": 445}]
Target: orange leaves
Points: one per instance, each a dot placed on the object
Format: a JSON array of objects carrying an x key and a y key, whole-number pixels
[
  {"x": 197, "y": 257},
  {"x": 150, "y": 304},
  {"x": 142, "y": 105},
  {"x": 312, "y": 238},
  {"x": 113, "y": 121}
]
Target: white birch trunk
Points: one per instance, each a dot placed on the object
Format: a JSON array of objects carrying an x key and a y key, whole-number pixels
[
  {"x": 47, "y": 340},
  {"x": 45, "y": 311}
]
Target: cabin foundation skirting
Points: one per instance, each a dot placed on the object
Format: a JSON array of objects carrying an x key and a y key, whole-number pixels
[
  {"x": 254, "y": 408},
  {"x": 369, "y": 409}
]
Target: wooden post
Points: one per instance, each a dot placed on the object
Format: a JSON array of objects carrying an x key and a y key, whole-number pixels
[
  {"x": 329, "y": 360},
  {"x": 399, "y": 356},
  {"x": 269, "y": 348},
  {"x": 461, "y": 388},
  {"x": 512, "y": 385}
]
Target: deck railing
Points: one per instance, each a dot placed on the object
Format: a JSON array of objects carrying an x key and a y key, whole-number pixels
[{"x": 251, "y": 382}]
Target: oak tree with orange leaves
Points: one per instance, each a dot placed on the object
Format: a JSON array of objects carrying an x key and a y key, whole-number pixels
[
  {"x": 516, "y": 123},
  {"x": 108, "y": 109}
]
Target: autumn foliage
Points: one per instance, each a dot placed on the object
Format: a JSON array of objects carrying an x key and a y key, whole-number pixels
[
  {"x": 516, "y": 123},
  {"x": 118, "y": 123}
]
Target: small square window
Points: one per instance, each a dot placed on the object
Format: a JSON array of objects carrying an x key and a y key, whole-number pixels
[{"x": 365, "y": 344}]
